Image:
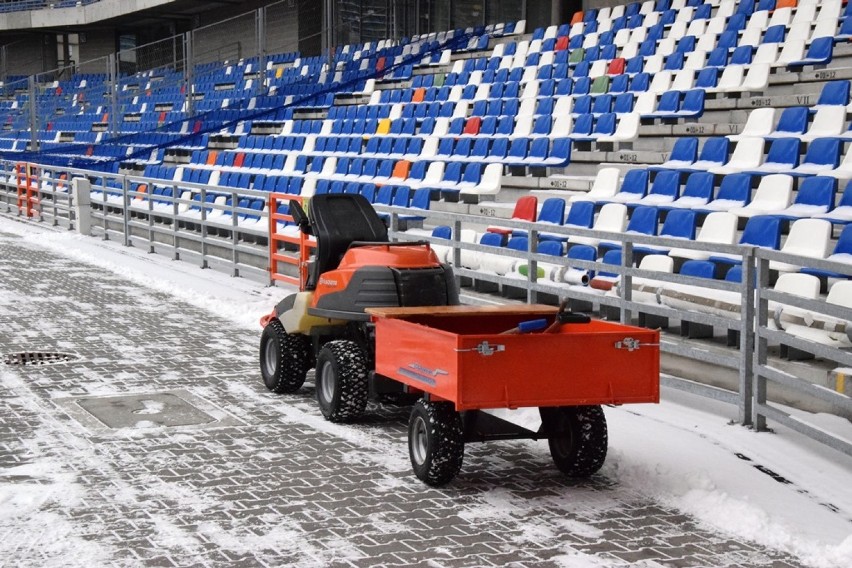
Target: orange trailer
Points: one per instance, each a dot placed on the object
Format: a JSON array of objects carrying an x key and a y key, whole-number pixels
[{"x": 468, "y": 359}]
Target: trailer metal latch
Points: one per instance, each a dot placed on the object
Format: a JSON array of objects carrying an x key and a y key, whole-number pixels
[
  {"x": 632, "y": 344},
  {"x": 485, "y": 349}
]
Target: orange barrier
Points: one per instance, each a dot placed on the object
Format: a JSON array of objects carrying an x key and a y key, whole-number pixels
[
  {"x": 302, "y": 241},
  {"x": 27, "y": 178}
]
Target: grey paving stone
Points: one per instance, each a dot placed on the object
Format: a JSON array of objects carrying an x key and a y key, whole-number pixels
[{"x": 277, "y": 486}]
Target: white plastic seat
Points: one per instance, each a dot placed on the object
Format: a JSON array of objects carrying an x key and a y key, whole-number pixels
[
  {"x": 719, "y": 227},
  {"x": 756, "y": 78},
  {"x": 827, "y": 122},
  {"x": 773, "y": 194},
  {"x": 809, "y": 238},
  {"x": 731, "y": 79},
  {"x": 603, "y": 188},
  {"x": 767, "y": 53},
  {"x": 780, "y": 17},
  {"x": 760, "y": 123},
  {"x": 747, "y": 156},
  {"x": 627, "y": 129},
  {"x": 683, "y": 80},
  {"x": 793, "y": 50},
  {"x": 612, "y": 218},
  {"x": 661, "y": 82}
]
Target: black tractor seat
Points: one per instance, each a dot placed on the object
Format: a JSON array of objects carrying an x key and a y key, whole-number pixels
[{"x": 338, "y": 220}]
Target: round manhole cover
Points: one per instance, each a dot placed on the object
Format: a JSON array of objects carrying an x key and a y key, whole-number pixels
[{"x": 38, "y": 358}]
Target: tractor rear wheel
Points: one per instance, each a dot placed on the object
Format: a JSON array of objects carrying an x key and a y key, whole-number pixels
[
  {"x": 285, "y": 358},
  {"x": 577, "y": 438},
  {"x": 341, "y": 381},
  {"x": 435, "y": 442}
]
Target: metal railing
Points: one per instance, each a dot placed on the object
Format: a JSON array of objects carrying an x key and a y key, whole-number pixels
[{"x": 186, "y": 225}]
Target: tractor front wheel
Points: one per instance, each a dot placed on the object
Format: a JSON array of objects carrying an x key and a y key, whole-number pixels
[
  {"x": 435, "y": 442},
  {"x": 285, "y": 358},
  {"x": 577, "y": 438},
  {"x": 341, "y": 381}
]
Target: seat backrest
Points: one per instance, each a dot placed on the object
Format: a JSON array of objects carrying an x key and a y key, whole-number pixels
[
  {"x": 679, "y": 223},
  {"x": 793, "y": 120},
  {"x": 798, "y": 284},
  {"x": 666, "y": 182},
  {"x": 817, "y": 190},
  {"x": 338, "y": 220},
  {"x": 809, "y": 236},
  {"x": 824, "y": 151},
  {"x": 612, "y": 217},
  {"x": 835, "y": 93},
  {"x": 735, "y": 187},
  {"x": 774, "y": 190},
  {"x": 685, "y": 149},
  {"x": 582, "y": 252},
  {"x": 840, "y": 294},
  {"x": 718, "y": 227},
  {"x": 699, "y": 185},
  {"x": 844, "y": 241},
  {"x": 635, "y": 181},
  {"x": 581, "y": 214},
  {"x": 698, "y": 269},
  {"x": 644, "y": 220},
  {"x": 784, "y": 151},
  {"x": 715, "y": 150},
  {"x": 552, "y": 210},
  {"x": 657, "y": 262},
  {"x": 762, "y": 231},
  {"x": 525, "y": 208}
]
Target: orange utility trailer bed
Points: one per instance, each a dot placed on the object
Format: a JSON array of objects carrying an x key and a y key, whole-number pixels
[{"x": 463, "y": 354}]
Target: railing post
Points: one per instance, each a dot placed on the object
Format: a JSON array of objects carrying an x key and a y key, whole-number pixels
[
  {"x": 456, "y": 239},
  {"x": 759, "y": 395},
  {"x": 81, "y": 189},
  {"x": 626, "y": 281},
  {"x": 260, "y": 21},
  {"x": 747, "y": 333},
  {"x": 112, "y": 73},
  {"x": 33, "y": 95},
  {"x": 188, "y": 70},
  {"x": 532, "y": 267},
  {"x": 125, "y": 218}
]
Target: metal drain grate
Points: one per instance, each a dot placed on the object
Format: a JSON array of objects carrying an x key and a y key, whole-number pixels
[{"x": 38, "y": 358}]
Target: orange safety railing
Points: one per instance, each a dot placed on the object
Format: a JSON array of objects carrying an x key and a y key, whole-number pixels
[
  {"x": 27, "y": 178},
  {"x": 303, "y": 242}
]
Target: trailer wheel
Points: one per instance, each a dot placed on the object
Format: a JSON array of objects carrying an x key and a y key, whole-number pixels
[
  {"x": 284, "y": 358},
  {"x": 341, "y": 381},
  {"x": 578, "y": 438},
  {"x": 435, "y": 442}
]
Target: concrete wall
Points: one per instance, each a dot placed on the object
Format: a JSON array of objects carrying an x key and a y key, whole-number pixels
[{"x": 58, "y": 18}]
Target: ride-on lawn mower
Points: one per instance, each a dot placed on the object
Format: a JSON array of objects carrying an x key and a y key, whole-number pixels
[{"x": 381, "y": 319}]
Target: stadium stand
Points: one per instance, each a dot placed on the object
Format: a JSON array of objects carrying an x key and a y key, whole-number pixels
[{"x": 686, "y": 128}]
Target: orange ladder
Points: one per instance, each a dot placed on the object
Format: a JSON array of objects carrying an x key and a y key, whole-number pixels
[
  {"x": 27, "y": 178},
  {"x": 303, "y": 242}
]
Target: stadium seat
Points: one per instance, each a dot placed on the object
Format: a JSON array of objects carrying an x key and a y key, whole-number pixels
[
  {"x": 773, "y": 194},
  {"x": 809, "y": 238}
]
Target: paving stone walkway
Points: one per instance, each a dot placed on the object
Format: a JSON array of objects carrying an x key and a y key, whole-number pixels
[{"x": 198, "y": 465}]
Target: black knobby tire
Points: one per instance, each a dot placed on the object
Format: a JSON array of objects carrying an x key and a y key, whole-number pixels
[
  {"x": 341, "y": 381},
  {"x": 285, "y": 358},
  {"x": 578, "y": 442},
  {"x": 435, "y": 442}
]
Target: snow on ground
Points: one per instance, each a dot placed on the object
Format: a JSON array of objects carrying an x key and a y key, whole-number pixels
[{"x": 778, "y": 489}]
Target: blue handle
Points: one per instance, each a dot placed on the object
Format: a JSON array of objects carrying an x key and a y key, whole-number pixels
[{"x": 532, "y": 325}]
